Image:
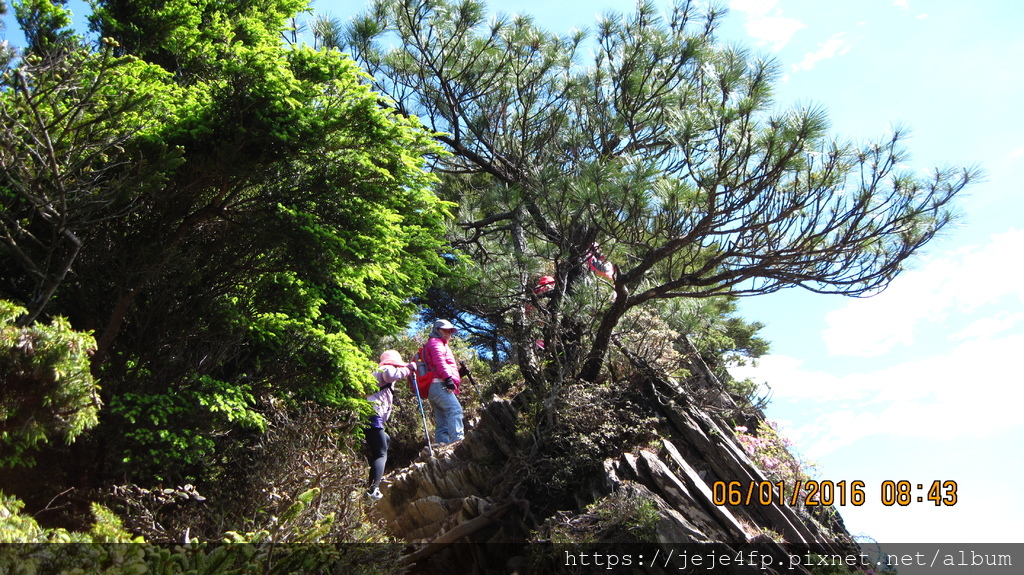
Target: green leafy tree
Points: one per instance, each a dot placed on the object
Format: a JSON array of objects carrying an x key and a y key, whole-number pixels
[
  {"x": 663, "y": 149},
  {"x": 247, "y": 218},
  {"x": 68, "y": 116}
]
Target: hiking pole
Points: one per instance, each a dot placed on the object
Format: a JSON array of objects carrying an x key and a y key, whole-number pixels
[{"x": 419, "y": 400}]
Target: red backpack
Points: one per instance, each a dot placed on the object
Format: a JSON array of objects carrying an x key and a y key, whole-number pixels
[{"x": 424, "y": 375}]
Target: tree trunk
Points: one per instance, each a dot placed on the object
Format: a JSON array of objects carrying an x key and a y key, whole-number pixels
[
  {"x": 523, "y": 342},
  {"x": 603, "y": 336}
]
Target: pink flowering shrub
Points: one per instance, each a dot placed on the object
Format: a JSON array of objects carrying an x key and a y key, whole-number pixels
[{"x": 771, "y": 451}]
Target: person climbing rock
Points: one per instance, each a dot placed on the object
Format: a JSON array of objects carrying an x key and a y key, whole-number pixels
[
  {"x": 390, "y": 370},
  {"x": 444, "y": 390}
]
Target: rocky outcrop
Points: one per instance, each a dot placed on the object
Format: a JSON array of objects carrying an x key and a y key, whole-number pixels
[{"x": 460, "y": 493}]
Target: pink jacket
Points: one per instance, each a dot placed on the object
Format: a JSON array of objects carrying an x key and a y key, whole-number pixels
[{"x": 441, "y": 360}]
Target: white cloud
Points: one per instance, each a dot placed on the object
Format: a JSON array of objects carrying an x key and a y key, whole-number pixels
[
  {"x": 989, "y": 326},
  {"x": 958, "y": 282},
  {"x": 971, "y": 393},
  {"x": 774, "y": 30},
  {"x": 754, "y": 8},
  {"x": 904, "y": 5},
  {"x": 967, "y": 392},
  {"x": 837, "y": 45},
  {"x": 986, "y": 519},
  {"x": 765, "y": 22},
  {"x": 788, "y": 379}
]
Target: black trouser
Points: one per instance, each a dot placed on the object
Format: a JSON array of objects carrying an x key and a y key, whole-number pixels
[{"x": 377, "y": 441}]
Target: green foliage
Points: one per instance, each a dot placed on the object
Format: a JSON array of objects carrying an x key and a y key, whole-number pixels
[
  {"x": 177, "y": 430},
  {"x": 46, "y": 389},
  {"x": 504, "y": 382},
  {"x": 15, "y": 527},
  {"x": 624, "y": 516},
  {"x": 45, "y": 24},
  {"x": 329, "y": 367},
  {"x": 18, "y": 528},
  {"x": 284, "y": 528},
  {"x": 93, "y": 551},
  {"x": 584, "y": 425},
  {"x": 719, "y": 335},
  {"x": 664, "y": 146},
  {"x": 238, "y": 219},
  {"x": 67, "y": 118},
  {"x": 747, "y": 393}
]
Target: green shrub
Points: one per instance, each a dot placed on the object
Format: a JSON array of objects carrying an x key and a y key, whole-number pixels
[
  {"x": 623, "y": 516},
  {"x": 584, "y": 424},
  {"x": 106, "y": 548},
  {"x": 46, "y": 389}
]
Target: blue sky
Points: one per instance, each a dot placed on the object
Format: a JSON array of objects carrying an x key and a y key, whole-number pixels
[{"x": 920, "y": 382}]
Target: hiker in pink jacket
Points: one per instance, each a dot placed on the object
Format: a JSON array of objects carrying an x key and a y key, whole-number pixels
[{"x": 445, "y": 387}]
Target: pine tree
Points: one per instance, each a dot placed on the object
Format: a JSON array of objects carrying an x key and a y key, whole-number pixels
[{"x": 662, "y": 149}]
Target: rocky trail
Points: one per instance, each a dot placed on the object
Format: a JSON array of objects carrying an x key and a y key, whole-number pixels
[{"x": 468, "y": 507}]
